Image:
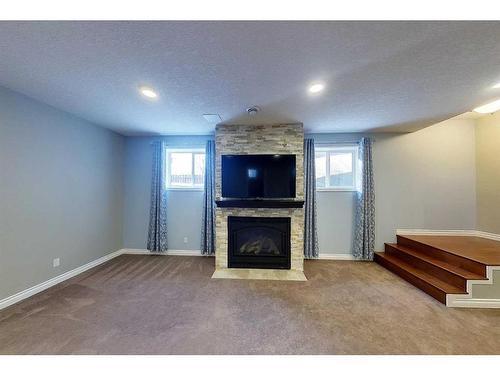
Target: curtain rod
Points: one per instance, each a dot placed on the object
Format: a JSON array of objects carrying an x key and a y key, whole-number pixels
[
  {"x": 315, "y": 142},
  {"x": 338, "y": 142},
  {"x": 180, "y": 144}
]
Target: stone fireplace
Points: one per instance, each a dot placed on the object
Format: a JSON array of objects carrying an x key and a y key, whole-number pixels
[{"x": 260, "y": 239}]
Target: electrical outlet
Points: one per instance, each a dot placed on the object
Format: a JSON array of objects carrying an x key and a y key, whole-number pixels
[
  {"x": 185, "y": 240},
  {"x": 56, "y": 262}
]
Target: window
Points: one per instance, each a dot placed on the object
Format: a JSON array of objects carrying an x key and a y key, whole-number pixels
[
  {"x": 185, "y": 168},
  {"x": 336, "y": 168}
]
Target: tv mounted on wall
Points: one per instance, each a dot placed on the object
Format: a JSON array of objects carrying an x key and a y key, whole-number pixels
[{"x": 258, "y": 176}]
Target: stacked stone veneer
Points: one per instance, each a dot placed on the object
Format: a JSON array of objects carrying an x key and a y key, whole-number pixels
[{"x": 260, "y": 139}]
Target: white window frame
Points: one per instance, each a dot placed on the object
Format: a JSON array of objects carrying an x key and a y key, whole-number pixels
[
  {"x": 332, "y": 149},
  {"x": 168, "y": 161}
]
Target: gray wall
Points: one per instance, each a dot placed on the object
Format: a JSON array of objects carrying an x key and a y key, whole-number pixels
[
  {"x": 487, "y": 291},
  {"x": 488, "y": 173},
  {"x": 61, "y": 182},
  {"x": 184, "y": 208},
  {"x": 60, "y": 192},
  {"x": 424, "y": 180}
]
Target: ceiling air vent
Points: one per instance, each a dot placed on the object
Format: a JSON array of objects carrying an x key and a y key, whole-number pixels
[{"x": 212, "y": 118}]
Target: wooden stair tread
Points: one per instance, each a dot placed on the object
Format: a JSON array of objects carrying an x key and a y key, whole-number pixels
[
  {"x": 422, "y": 275},
  {"x": 477, "y": 249},
  {"x": 438, "y": 263}
]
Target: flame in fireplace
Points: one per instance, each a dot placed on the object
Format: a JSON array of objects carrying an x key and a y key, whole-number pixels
[{"x": 260, "y": 245}]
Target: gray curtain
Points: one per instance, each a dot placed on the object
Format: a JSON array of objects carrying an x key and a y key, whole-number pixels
[
  {"x": 208, "y": 226},
  {"x": 364, "y": 230},
  {"x": 157, "y": 233},
  {"x": 310, "y": 229}
]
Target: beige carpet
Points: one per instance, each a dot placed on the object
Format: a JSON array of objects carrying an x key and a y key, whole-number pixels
[{"x": 170, "y": 305}]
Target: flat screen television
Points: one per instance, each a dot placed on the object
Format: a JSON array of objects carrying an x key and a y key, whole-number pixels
[{"x": 258, "y": 176}]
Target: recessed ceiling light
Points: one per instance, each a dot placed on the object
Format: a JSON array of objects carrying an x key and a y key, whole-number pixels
[
  {"x": 148, "y": 92},
  {"x": 488, "y": 108},
  {"x": 497, "y": 86},
  {"x": 315, "y": 88}
]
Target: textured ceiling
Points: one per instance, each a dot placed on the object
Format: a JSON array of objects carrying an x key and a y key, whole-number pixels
[{"x": 391, "y": 76}]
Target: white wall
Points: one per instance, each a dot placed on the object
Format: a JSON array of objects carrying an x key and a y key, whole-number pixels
[{"x": 60, "y": 192}]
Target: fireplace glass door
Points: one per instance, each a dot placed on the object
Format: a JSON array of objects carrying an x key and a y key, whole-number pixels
[{"x": 259, "y": 242}]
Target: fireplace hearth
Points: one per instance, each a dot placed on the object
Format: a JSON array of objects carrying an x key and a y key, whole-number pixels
[{"x": 259, "y": 242}]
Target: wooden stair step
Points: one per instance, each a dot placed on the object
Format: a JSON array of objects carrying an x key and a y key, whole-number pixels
[
  {"x": 430, "y": 284},
  {"x": 444, "y": 255},
  {"x": 445, "y": 266}
]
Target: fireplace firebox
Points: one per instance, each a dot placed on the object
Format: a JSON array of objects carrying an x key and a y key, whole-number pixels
[{"x": 259, "y": 242}]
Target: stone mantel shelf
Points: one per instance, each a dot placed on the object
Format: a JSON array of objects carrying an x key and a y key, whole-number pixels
[{"x": 259, "y": 203}]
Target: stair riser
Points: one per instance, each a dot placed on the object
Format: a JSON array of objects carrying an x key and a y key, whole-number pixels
[
  {"x": 424, "y": 286},
  {"x": 440, "y": 273},
  {"x": 453, "y": 259}
]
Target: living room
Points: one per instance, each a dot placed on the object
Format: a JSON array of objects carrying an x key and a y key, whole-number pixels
[{"x": 199, "y": 187}]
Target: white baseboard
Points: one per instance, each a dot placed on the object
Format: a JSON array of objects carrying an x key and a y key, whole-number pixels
[
  {"x": 457, "y": 301},
  {"x": 190, "y": 253},
  {"x": 137, "y": 252},
  {"x": 464, "y": 300},
  {"x": 55, "y": 280},
  {"x": 452, "y": 232},
  {"x": 336, "y": 257},
  {"x": 475, "y": 303},
  {"x": 8, "y": 301},
  {"x": 67, "y": 275},
  {"x": 432, "y": 232},
  {"x": 198, "y": 253},
  {"x": 468, "y": 300},
  {"x": 490, "y": 236}
]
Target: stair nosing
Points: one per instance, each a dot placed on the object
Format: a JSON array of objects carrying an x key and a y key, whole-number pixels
[
  {"x": 389, "y": 258},
  {"x": 428, "y": 261},
  {"x": 447, "y": 251}
]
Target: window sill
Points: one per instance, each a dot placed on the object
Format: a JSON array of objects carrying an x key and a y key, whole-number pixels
[
  {"x": 184, "y": 189},
  {"x": 337, "y": 190}
]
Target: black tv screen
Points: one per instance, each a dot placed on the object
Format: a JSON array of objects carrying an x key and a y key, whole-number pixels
[{"x": 258, "y": 176}]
